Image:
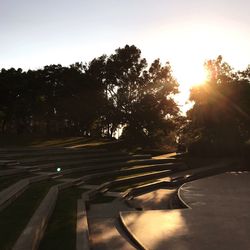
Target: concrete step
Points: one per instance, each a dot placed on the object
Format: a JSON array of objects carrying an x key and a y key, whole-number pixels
[
  {"x": 158, "y": 166},
  {"x": 119, "y": 169},
  {"x": 105, "y": 232},
  {"x": 34, "y": 231},
  {"x": 26, "y": 153},
  {"x": 90, "y": 162},
  {"x": 8, "y": 195},
  {"x": 154, "y": 161},
  {"x": 8, "y": 163},
  {"x": 137, "y": 170},
  {"x": 67, "y": 158},
  {"x": 131, "y": 180},
  {"x": 12, "y": 172},
  {"x": 95, "y": 169},
  {"x": 181, "y": 177},
  {"x": 139, "y": 178},
  {"x": 82, "y": 227}
]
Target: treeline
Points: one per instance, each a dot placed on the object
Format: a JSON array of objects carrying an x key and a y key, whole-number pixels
[
  {"x": 94, "y": 99},
  {"x": 121, "y": 92},
  {"x": 219, "y": 122}
]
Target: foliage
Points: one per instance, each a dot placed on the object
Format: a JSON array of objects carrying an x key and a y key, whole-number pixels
[
  {"x": 219, "y": 119},
  {"x": 92, "y": 99},
  {"x": 141, "y": 96}
]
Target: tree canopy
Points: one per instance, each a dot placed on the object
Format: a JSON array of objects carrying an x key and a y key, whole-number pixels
[
  {"x": 122, "y": 92},
  {"x": 221, "y": 113},
  {"x": 116, "y": 91}
]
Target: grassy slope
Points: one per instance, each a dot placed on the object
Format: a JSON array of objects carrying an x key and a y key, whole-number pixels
[
  {"x": 33, "y": 141},
  {"x": 77, "y": 142},
  {"x": 14, "y": 218}
]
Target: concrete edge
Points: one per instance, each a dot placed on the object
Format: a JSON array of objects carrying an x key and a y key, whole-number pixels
[
  {"x": 93, "y": 192},
  {"x": 38, "y": 178},
  {"x": 61, "y": 158},
  {"x": 180, "y": 198},
  {"x": 45, "y": 208},
  {"x": 139, "y": 169},
  {"x": 13, "y": 195},
  {"x": 12, "y": 192},
  {"x": 130, "y": 235},
  {"x": 65, "y": 185},
  {"x": 107, "y": 185},
  {"x": 206, "y": 174},
  {"x": 82, "y": 228},
  {"x": 145, "y": 177},
  {"x": 145, "y": 188},
  {"x": 12, "y": 171},
  {"x": 34, "y": 230},
  {"x": 109, "y": 166},
  {"x": 91, "y": 162}
]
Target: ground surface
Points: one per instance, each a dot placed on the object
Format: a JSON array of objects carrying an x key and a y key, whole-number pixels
[
  {"x": 145, "y": 195},
  {"x": 218, "y": 217}
]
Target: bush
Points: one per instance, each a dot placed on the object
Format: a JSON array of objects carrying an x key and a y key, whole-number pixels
[{"x": 205, "y": 147}]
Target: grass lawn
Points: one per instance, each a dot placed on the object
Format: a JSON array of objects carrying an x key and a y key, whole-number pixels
[
  {"x": 60, "y": 233},
  {"x": 14, "y": 218},
  {"x": 46, "y": 141},
  {"x": 36, "y": 141},
  {"x": 118, "y": 176}
]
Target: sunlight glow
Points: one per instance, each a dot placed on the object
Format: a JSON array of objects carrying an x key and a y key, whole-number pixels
[
  {"x": 188, "y": 75},
  {"x": 160, "y": 226},
  {"x": 187, "y": 46}
]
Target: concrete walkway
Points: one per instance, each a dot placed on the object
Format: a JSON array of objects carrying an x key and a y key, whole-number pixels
[
  {"x": 158, "y": 199},
  {"x": 219, "y": 218},
  {"x": 105, "y": 235},
  {"x": 104, "y": 227}
]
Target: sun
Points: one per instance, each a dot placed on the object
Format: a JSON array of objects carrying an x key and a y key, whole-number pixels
[{"x": 188, "y": 75}]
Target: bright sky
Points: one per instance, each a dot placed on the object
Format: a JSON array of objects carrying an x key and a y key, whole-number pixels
[{"x": 34, "y": 33}]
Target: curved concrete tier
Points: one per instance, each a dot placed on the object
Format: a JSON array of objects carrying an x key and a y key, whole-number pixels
[{"x": 219, "y": 217}]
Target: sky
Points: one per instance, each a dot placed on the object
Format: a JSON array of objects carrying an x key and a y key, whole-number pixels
[{"x": 34, "y": 33}]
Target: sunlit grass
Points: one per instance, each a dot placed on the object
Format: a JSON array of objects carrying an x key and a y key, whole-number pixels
[{"x": 34, "y": 141}]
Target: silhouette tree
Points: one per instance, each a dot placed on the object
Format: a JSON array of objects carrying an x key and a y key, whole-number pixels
[
  {"x": 141, "y": 97},
  {"x": 12, "y": 99},
  {"x": 219, "y": 116},
  {"x": 92, "y": 99}
]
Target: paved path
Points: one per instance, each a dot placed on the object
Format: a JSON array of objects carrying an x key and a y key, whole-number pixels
[
  {"x": 158, "y": 199},
  {"x": 104, "y": 235},
  {"x": 219, "y": 218},
  {"x": 104, "y": 227}
]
